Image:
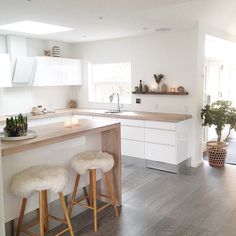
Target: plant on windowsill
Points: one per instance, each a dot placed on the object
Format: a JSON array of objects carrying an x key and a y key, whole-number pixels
[
  {"x": 216, "y": 114},
  {"x": 16, "y": 126}
]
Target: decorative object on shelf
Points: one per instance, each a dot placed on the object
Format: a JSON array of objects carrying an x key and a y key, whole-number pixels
[
  {"x": 172, "y": 90},
  {"x": 39, "y": 110},
  {"x": 145, "y": 88},
  {"x": 217, "y": 114},
  {"x": 180, "y": 89},
  {"x": 160, "y": 93},
  {"x": 164, "y": 88},
  {"x": 140, "y": 86},
  {"x": 47, "y": 53},
  {"x": 56, "y": 51},
  {"x": 158, "y": 79},
  {"x": 73, "y": 103},
  {"x": 16, "y": 126},
  {"x": 136, "y": 89}
]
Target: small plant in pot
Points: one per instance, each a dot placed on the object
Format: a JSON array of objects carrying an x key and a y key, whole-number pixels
[
  {"x": 16, "y": 126},
  {"x": 216, "y": 114}
]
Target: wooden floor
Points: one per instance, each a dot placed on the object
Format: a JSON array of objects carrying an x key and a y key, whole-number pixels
[{"x": 155, "y": 203}]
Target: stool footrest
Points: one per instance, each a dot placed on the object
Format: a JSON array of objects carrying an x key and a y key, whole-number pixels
[
  {"x": 83, "y": 205},
  {"x": 57, "y": 219},
  {"x": 80, "y": 199},
  {"x": 62, "y": 232},
  {"x": 103, "y": 207}
]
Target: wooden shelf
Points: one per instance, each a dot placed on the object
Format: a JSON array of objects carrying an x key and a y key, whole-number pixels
[{"x": 161, "y": 93}]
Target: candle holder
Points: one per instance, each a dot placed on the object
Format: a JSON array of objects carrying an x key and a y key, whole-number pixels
[
  {"x": 75, "y": 120},
  {"x": 68, "y": 123},
  {"x": 172, "y": 90}
]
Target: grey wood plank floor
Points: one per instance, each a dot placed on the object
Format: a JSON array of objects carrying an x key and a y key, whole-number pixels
[{"x": 155, "y": 203}]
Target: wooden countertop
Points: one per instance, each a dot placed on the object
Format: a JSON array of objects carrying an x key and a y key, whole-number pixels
[
  {"x": 56, "y": 132},
  {"x": 138, "y": 115}
]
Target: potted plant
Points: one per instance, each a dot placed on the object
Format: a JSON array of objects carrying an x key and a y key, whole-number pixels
[
  {"x": 216, "y": 114},
  {"x": 158, "y": 79},
  {"x": 16, "y": 126},
  {"x": 231, "y": 122}
]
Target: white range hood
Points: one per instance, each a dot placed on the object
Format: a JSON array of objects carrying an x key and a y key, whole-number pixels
[{"x": 23, "y": 67}]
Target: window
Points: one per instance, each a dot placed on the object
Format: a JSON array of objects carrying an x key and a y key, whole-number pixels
[{"x": 105, "y": 79}]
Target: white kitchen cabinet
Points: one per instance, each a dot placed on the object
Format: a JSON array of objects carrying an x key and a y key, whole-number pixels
[
  {"x": 51, "y": 71},
  {"x": 132, "y": 148},
  {"x": 71, "y": 71},
  {"x": 48, "y": 72},
  {"x": 166, "y": 142},
  {"x": 161, "y": 153},
  {"x": 160, "y": 125},
  {"x": 5, "y": 70},
  {"x": 132, "y": 133},
  {"x": 160, "y": 136}
]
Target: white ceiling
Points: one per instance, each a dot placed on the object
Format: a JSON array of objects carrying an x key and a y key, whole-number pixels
[{"x": 121, "y": 18}]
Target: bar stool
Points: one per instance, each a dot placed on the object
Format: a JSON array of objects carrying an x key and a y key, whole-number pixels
[
  {"x": 90, "y": 162},
  {"x": 41, "y": 179}
]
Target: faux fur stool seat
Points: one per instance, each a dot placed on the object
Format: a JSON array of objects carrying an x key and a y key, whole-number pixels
[
  {"x": 86, "y": 161},
  {"x": 38, "y": 178}
]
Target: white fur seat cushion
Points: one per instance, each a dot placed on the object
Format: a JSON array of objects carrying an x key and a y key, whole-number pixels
[
  {"x": 85, "y": 161},
  {"x": 37, "y": 178}
]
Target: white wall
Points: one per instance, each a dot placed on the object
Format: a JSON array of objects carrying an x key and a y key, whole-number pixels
[
  {"x": 175, "y": 54},
  {"x": 22, "y": 99}
]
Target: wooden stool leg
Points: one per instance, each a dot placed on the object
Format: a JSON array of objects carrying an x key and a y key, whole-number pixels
[
  {"x": 21, "y": 217},
  {"x": 45, "y": 195},
  {"x": 109, "y": 186},
  {"x": 91, "y": 188},
  {"x": 74, "y": 195},
  {"x": 63, "y": 204},
  {"x": 86, "y": 195},
  {"x": 94, "y": 196},
  {"x": 41, "y": 212}
]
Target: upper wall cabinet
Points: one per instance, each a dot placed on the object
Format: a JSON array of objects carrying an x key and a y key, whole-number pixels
[
  {"x": 51, "y": 71},
  {"x": 5, "y": 70}
]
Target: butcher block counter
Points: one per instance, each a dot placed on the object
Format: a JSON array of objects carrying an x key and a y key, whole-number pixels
[
  {"x": 137, "y": 115},
  {"x": 55, "y": 144}
]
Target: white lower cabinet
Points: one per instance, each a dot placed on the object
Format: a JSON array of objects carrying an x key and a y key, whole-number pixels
[
  {"x": 160, "y": 136},
  {"x": 132, "y": 148},
  {"x": 165, "y": 142},
  {"x": 161, "y": 153},
  {"x": 132, "y": 133}
]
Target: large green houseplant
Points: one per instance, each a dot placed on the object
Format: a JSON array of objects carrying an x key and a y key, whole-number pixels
[{"x": 217, "y": 114}]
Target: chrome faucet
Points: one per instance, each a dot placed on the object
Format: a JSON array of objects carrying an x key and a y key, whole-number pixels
[{"x": 119, "y": 106}]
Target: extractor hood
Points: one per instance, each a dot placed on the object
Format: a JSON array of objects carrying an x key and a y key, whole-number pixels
[
  {"x": 23, "y": 67},
  {"x": 24, "y": 70}
]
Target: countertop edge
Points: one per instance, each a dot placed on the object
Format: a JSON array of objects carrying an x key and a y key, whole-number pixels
[{"x": 140, "y": 115}]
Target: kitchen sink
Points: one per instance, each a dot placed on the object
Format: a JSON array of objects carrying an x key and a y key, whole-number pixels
[{"x": 114, "y": 111}]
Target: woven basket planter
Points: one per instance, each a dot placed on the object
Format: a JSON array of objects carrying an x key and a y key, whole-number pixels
[{"x": 216, "y": 153}]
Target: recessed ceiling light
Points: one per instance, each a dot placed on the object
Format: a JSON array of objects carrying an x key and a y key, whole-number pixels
[
  {"x": 32, "y": 27},
  {"x": 163, "y": 29}
]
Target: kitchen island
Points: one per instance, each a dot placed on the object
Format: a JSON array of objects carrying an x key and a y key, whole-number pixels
[{"x": 55, "y": 145}]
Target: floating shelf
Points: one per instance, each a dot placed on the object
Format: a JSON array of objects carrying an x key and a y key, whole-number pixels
[{"x": 161, "y": 93}]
